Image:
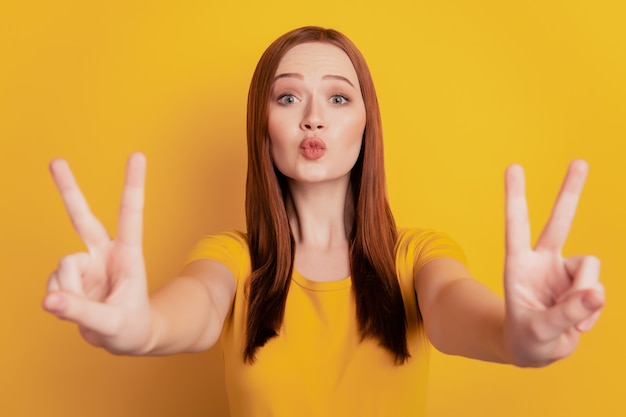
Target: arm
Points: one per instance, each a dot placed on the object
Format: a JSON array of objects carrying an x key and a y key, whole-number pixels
[
  {"x": 189, "y": 312},
  {"x": 549, "y": 300},
  {"x": 461, "y": 316},
  {"x": 104, "y": 290}
]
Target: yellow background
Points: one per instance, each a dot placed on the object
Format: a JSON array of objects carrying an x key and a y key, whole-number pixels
[{"x": 465, "y": 87}]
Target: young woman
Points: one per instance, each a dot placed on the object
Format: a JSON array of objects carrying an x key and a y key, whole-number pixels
[{"x": 323, "y": 306}]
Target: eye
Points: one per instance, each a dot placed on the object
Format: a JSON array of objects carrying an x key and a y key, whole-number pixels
[
  {"x": 288, "y": 99},
  {"x": 338, "y": 99}
]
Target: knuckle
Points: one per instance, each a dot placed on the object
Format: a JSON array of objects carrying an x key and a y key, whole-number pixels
[
  {"x": 74, "y": 263},
  {"x": 66, "y": 262},
  {"x": 592, "y": 261},
  {"x": 600, "y": 288}
]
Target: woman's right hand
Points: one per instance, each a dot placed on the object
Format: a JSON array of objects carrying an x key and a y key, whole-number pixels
[{"x": 104, "y": 290}]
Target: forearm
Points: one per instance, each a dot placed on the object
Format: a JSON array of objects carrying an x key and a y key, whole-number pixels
[
  {"x": 189, "y": 312},
  {"x": 184, "y": 319},
  {"x": 467, "y": 319}
]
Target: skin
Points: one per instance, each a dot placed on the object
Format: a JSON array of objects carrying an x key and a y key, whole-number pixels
[
  {"x": 317, "y": 94},
  {"x": 549, "y": 300}
]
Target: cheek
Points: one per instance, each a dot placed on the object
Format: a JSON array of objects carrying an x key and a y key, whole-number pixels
[
  {"x": 278, "y": 129},
  {"x": 272, "y": 128},
  {"x": 276, "y": 133},
  {"x": 358, "y": 119},
  {"x": 352, "y": 147},
  {"x": 355, "y": 130}
]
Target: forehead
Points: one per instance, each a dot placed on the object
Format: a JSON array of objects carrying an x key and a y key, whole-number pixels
[{"x": 317, "y": 59}]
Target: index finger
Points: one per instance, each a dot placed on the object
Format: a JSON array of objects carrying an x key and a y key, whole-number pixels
[
  {"x": 556, "y": 230},
  {"x": 130, "y": 223},
  {"x": 86, "y": 225},
  {"x": 517, "y": 223}
]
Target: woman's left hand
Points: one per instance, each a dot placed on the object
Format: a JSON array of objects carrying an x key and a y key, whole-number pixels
[{"x": 550, "y": 300}]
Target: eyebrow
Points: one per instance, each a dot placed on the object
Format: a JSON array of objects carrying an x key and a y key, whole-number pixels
[{"x": 325, "y": 77}]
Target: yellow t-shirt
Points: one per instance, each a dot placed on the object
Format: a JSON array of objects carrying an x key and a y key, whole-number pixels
[{"x": 317, "y": 365}]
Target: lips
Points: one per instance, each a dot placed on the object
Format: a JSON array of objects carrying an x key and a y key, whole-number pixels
[{"x": 313, "y": 148}]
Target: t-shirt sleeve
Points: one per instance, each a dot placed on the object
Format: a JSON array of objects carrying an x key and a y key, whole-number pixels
[
  {"x": 227, "y": 248},
  {"x": 421, "y": 246}
]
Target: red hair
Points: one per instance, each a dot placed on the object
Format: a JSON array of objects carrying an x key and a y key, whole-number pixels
[{"x": 379, "y": 304}]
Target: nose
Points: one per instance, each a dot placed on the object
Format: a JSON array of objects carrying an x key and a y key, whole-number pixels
[{"x": 313, "y": 118}]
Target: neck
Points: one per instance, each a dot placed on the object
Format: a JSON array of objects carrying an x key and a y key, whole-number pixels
[{"x": 320, "y": 214}]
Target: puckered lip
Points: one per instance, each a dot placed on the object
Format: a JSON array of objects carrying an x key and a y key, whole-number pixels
[{"x": 312, "y": 143}]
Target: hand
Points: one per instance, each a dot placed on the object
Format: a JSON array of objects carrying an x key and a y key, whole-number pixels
[
  {"x": 104, "y": 290},
  {"x": 550, "y": 300}
]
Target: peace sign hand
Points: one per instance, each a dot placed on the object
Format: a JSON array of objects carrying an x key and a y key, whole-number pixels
[
  {"x": 550, "y": 300},
  {"x": 104, "y": 290}
]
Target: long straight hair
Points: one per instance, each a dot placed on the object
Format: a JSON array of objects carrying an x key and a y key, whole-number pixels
[{"x": 379, "y": 304}]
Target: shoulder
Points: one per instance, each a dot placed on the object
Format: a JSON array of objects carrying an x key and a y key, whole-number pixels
[
  {"x": 232, "y": 241},
  {"x": 416, "y": 247},
  {"x": 229, "y": 248}
]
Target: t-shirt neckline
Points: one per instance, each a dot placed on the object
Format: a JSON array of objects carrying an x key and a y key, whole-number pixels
[{"x": 311, "y": 285}]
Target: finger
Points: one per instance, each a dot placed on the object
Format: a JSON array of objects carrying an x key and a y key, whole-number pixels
[
  {"x": 72, "y": 269},
  {"x": 571, "y": 312},
  {"x": 517, "y": 223},
  {"x": 586, "y": 325},
  {"x": 53, "y": 282},
  {"x": 89, "y": 314},
  {"x": 588, "y": 280},
  {"x": 86, "y": 225},
  {"x": 585, "y": 271},
  {"x": 556, "y": 230},
  {"x": 130, "y": 224}
]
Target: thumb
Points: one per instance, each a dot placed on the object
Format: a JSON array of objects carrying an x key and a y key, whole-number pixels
[{"x": 88, "y": 314}]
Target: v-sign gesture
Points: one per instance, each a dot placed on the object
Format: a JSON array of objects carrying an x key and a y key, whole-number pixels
[
  {"x": 550, "y": 300},
  {"x": 104, "y": 290}
]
